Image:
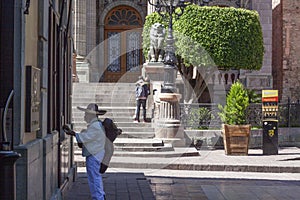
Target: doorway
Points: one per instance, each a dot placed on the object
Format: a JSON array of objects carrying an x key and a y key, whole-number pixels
[{"x": 123, "y": 52}]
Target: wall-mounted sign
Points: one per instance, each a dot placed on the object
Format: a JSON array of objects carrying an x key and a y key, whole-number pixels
[
  {"x": 32, "y": 102},
  {"x": 270, "y": 104}
]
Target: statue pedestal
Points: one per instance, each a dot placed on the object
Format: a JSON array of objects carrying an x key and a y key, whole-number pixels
[
  {"x": 166, "y": 116},
  {"x": 168, "y": 125}
]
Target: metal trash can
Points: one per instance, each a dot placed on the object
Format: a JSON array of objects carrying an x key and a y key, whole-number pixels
[
  {"x": 8, "y": 174},
  {"x": 270, "y": 137},
  {"x": 270, "y": 121}
]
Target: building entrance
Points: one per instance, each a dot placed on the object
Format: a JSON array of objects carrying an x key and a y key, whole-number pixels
[{"x": 123, "y": 52}]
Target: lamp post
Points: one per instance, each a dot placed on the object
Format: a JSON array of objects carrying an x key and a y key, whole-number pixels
[
  {"x": 167, "y": 121},
  {"x": 166, "y": 8}
]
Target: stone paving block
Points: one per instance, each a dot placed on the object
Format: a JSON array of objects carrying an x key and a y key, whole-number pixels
[{"x": 212, "y": 192}]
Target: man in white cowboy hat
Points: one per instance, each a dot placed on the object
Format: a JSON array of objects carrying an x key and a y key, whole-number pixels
[{"x": 93, "y": 140}]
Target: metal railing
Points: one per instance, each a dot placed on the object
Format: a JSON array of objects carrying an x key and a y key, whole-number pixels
[{"x": 205, "y": 116}]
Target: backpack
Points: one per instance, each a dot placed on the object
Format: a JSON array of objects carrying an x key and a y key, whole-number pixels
[
  {"x": 112, "y": 132},
  {"x": 111, "y": 129},
  {"x": 142, "y": 91}
]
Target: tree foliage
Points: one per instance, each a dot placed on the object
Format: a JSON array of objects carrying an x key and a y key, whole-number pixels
[{"x": 231, "y": 36}]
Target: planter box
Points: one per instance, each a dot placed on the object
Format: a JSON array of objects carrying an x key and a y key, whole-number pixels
[
  {"x": 213, "y": 139},
  {"x": 236, "y": 139}
]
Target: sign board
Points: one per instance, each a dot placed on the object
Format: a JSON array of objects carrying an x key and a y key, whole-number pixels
[
  {"x": 32, "y": 101},
  {"x": 270, "y": 104},
  {"x": 270, "y": 96}
]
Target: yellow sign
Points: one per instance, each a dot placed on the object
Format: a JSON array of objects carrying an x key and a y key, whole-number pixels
[
  {"x": 270, "y": 93},
  {"x": 271, "y": 133}
]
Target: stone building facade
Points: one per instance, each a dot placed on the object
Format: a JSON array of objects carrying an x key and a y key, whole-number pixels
[
  {"x": 287, "y": 48},
  {"x": 280, "y": 31},
  {"x": 36, "y": 60},
  {"x": 290, "y": 38},
  {"x": 108, "y": 38}
]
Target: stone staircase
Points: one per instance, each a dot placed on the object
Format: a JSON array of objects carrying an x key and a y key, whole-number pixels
[{"x": 137, "y": 139}]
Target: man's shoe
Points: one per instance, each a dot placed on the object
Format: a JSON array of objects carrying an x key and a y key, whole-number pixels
[{"x": 135, "y": 121}]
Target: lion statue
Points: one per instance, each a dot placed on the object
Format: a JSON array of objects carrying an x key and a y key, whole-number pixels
[{"x": 157, "y": 37}]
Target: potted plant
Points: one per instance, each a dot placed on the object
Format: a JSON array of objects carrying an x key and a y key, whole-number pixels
[{"x": 236, "y": 131}]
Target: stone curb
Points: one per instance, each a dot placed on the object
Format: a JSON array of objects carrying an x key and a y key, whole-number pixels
[{"x": 203, "y": 167}]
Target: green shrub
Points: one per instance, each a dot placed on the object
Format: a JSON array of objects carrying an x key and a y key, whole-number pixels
[
  {"x": 199, "y": 118},
  {"x": 231, "y": 37},
  {"x": 237, "y": 102}
]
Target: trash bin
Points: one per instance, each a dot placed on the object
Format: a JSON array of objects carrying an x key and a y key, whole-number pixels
[
  {"x": 8, "y": 174},
  {"x": 270, "y": 137}
]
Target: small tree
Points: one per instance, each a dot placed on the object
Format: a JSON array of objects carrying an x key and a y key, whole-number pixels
[
  {"x": 237, "y": 102},
  {"x": 229, "y": 38}
]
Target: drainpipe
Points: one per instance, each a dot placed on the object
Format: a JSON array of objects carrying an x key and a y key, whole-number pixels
[{"x": 8, "y": 160}]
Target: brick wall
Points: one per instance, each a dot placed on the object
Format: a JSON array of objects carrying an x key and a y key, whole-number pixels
[
  {"x": 277, "y": 47},
  {"x": 291, "y": 50}
]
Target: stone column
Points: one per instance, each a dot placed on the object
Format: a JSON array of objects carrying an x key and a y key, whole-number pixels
[
  {"x": 166, "y": 119},
  {"x": 168, "y": 125}
]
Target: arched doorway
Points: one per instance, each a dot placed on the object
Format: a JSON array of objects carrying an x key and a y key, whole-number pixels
[{"x": 123, "y": 54}]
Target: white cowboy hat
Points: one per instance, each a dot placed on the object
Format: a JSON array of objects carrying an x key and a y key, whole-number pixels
[{"x": 92, "y": 108}]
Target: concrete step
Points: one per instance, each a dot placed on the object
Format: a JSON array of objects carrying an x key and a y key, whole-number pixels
[
  {"x": 141, "y": 145},
  {"x": 137, "y": 135},
  {"x": 144, "y": 149},
  {"x": 126, "y": 127},
  {"x": 155, "y": 154},
  {"x": 108, "y": 98},
  {"x": 149, "y": 154},
  {"x": 123, "y": 104},
  {"x": 122, "y": 142},
  {"x": 125, "y": 116},
  {"x": 109, "y": 109}
]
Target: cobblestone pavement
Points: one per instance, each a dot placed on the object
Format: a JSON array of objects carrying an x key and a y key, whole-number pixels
[{"x": 138, "y": 184}]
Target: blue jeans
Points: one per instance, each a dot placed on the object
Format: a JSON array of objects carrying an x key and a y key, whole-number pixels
[
  {"x": 139, "y": 103},
  {"x": 94, "y": 176}
]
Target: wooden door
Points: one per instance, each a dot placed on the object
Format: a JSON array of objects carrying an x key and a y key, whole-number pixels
[{"x": 123, "y": 52}]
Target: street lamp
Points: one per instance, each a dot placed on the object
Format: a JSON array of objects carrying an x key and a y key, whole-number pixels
[{"x": 166, "y": 8}]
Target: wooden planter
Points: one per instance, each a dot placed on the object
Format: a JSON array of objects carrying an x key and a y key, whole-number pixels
[{"x": 236, "y": 139}]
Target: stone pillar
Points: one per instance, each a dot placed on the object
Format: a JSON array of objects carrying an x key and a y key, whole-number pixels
[
  {"x": 166, "y": 119},
  {"x": 168, "y": 125}
]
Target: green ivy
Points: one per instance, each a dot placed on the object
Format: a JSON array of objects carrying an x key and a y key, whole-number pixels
[
  {"x": 237, "y": 102},
  {"x": 230, "y": 38}
]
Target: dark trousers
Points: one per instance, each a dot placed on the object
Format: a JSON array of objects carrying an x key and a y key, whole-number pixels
[{"x": 140, "y": 102}]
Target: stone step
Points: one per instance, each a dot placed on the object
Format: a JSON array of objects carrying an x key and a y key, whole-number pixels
[
  {"x": 89, "y": 85},
  {"x": 161, "y": 154},
  {"x": 105, "y": 104},
  {"x": 141, "y": 145},
  {"x": 124, "y": 114},
  {"x": 109, "y": 109},
  {"x": 145, "y": 159},
  {"x": 108, "y": 98},
  {"x": 144, "y": 149},
  {"x": 79, "y": 122},
  {"x": 147, "y": 154},
  {"x": 124, "y": 142},
  {"x": 132, "y": 128},
  {"x": 124, "y": 122},
  {"x": 137, "y": 135}
]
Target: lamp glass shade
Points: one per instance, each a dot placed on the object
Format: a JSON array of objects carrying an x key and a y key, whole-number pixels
[{"x": 170, "y": 2}]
